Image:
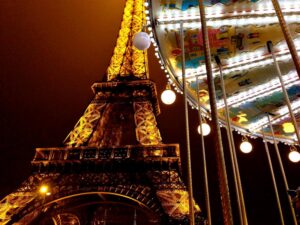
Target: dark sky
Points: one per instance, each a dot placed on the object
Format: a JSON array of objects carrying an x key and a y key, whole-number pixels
[{"x": 51, "y": 52}]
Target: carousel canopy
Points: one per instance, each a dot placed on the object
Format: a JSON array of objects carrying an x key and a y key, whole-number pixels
[{"x": 238, "y": 34}]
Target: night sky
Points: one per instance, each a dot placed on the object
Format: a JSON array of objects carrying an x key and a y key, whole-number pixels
[{"x": 51, "y": 52}]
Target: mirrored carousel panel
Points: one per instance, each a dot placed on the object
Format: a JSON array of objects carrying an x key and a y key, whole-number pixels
[{"x": 238, "y": 33}]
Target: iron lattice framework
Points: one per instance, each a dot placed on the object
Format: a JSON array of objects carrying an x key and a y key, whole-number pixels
[
  {"x": 115, "y": 149},
  {"x": 126, "y": 59}
]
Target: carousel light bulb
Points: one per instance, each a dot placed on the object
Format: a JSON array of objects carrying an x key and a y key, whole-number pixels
[
  {"x": 206, "y": 129},
  {"x": 246, "y": 146},
  {"x": 168, "y": 97},
  {"x": 294, "y": 156},
  {"x": 141, "y": 41}
]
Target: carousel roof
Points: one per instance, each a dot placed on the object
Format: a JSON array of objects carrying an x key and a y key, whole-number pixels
[{"x": 238, "y": 32}]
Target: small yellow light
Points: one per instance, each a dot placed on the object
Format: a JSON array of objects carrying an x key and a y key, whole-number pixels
[
  {"x": 157, "y": 153},
  {"x": 246, "y": 147},
  {"x": 206, "y": 129},
  {"x": 44, "y": 189},
  {"x": 288, "y": 128},
  {"x": 294, "y": 156}
]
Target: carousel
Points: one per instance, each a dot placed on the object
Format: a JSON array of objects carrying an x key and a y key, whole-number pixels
[{"x": 236, "y": 62}]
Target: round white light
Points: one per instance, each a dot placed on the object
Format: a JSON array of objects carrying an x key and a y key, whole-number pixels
[
  {"x": 141, "y": 41},
  {"x": 168, "y": 97},
  {"x": 206, "y": 129},
  {"x": 294, "y": 156},
  {"x": 246, "y": 147}
]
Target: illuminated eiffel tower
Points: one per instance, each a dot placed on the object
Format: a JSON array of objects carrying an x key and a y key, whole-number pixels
[{"x": 113, "y": 168}]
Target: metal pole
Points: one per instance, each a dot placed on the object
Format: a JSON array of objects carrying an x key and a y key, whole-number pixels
[
  {"x": 187, "y": 131},
  {"x": 223, "y": 180},
  {"x": 283, "y": 173},
  {"x": 206, "y": 186},
  {"x": 273, "y": 178},
  {"x": 134, "y": 218},
  {"x": 232, "y": 150},
  {"x": 286, "y": 96},
  {"x": 287, "y": 35}
]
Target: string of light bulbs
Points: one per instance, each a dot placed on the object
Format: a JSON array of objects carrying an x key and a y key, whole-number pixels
[{"x": 234, "y": 61}]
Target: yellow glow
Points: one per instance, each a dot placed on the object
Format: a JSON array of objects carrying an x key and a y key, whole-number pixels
[
  {"x": 44, "y": 189},
  {"x": 204, "y": 97},
  {"x": 157, "y": 153},
  {"x": 288, "y": 128},
  {"x": 242, "y": 117},
  {"x": 126, "y": 59}
]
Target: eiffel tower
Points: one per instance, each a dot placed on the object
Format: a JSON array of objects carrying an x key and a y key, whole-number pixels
[{"x": 114, "y": 167}]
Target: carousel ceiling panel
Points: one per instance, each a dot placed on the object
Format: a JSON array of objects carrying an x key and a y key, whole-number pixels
[{"x": 238, "y": 31}]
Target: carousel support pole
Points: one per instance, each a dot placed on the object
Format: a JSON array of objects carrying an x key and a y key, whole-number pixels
[
  {"x": 187, "y": 131},
  {"x": 287, "y": 35},
  {"x": 283, "y": 173},
  {"x": 206, "y": 186},
  {"x": 286, "y": 96},
  {"x": 273, "y": 178},
  {"x": 220, "y": 159},
  {"x": 232, "y": 150}
]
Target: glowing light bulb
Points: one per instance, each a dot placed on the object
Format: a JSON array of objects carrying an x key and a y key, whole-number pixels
[
  {"x": 246, "y": 147},
  {"x": 168, "y": 97},
  {"x": 141, "y": 41},
  {"x": 294, "y": 156},
  {"x": 206, "y": 129}
]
